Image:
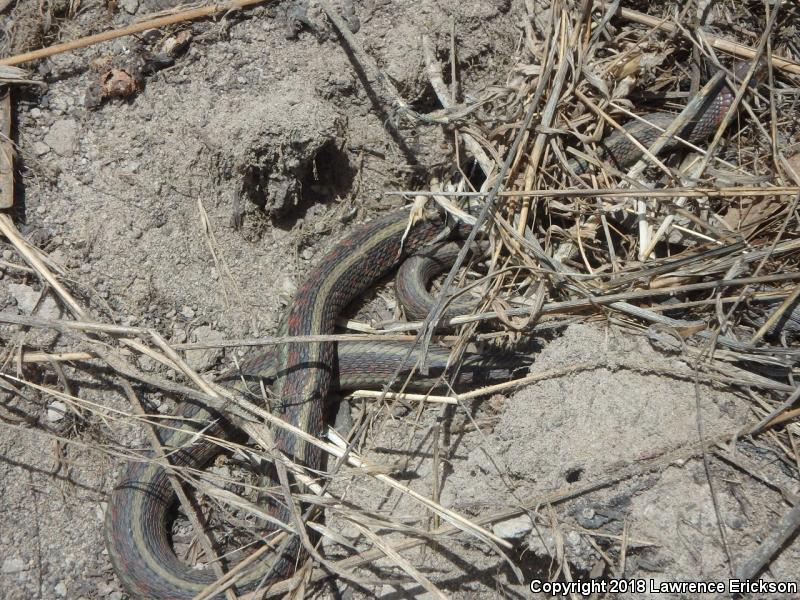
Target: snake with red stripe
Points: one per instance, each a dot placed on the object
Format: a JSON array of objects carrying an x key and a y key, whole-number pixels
[
  {"x": 140, "y": 506},
  {"x": 619, "y": 149},
  {"x": 138, "y": 514}
]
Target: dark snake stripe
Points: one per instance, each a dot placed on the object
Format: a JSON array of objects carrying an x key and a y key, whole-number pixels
[
  {"x": 139, "y": 509},
  {"x": 618, "y": 149}
]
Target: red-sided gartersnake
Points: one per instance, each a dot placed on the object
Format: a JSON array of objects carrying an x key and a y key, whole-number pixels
[
  {"x": 138, "y": 511},
  {"x": 618, "y": 148}
]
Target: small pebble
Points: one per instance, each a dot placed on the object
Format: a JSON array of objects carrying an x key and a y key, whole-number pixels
[
  {"x": 40, "y": 148},
  {"x": 12, "y": 565},
  {"x": 200, "y": 360},
  {"x": 129, "y": 6},
  {"x": 63, "y": 137},
  {"x": 27, "y": 299},
  {"x": 513, "y": 529},
  {"x": 56, "y": 411}
]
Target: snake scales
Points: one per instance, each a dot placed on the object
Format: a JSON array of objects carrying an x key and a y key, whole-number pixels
[
  {"x": 139, "y": 509},
  {"x": 622, "y": 152}
]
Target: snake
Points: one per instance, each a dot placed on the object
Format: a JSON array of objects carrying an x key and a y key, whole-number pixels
[
  {"x": 303, "y": 374},
  {"x": 620, "y": 150}
]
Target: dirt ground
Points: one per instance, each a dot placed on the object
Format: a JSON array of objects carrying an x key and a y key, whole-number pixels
[{"x": 136, "y": 199}]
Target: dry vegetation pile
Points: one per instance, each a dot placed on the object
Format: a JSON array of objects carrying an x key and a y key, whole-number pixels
[{"x": 697, "y": 247}]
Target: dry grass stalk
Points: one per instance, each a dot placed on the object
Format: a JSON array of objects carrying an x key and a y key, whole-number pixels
[
  {"x": 6, "y": 150},
  {"x": 718, "y": 231},
  {"x": 144, "y": 25}
]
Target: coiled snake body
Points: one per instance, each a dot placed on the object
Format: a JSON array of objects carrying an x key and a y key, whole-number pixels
[{"x": 138, "y": 511}]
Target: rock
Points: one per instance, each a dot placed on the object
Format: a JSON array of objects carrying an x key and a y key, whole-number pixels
[
  {"x": 27, "y": 297},
  {"x": 129, "y": 6},
  {"x": 40, "y": 148},
  {"x": 63, "y": 137},
  {"x": 187, "y": 312},
  {"x": 61, "y": 589},
  {"x": 542, "y": 543},
  {"x": 58, "y": 103},
  {"x": 514, "y": 529},
  {"x": 56, "y": 411},
  {"x": 200, "y": 360},
  {"x": 287, "y": 289},
  {"x": 106, "y": 588},
  {"x": 588, "y": 518},
  {"x": 12, "y": 565}
]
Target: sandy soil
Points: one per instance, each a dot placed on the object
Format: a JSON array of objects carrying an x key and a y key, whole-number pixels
[{"x": 136, "y": 200}]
